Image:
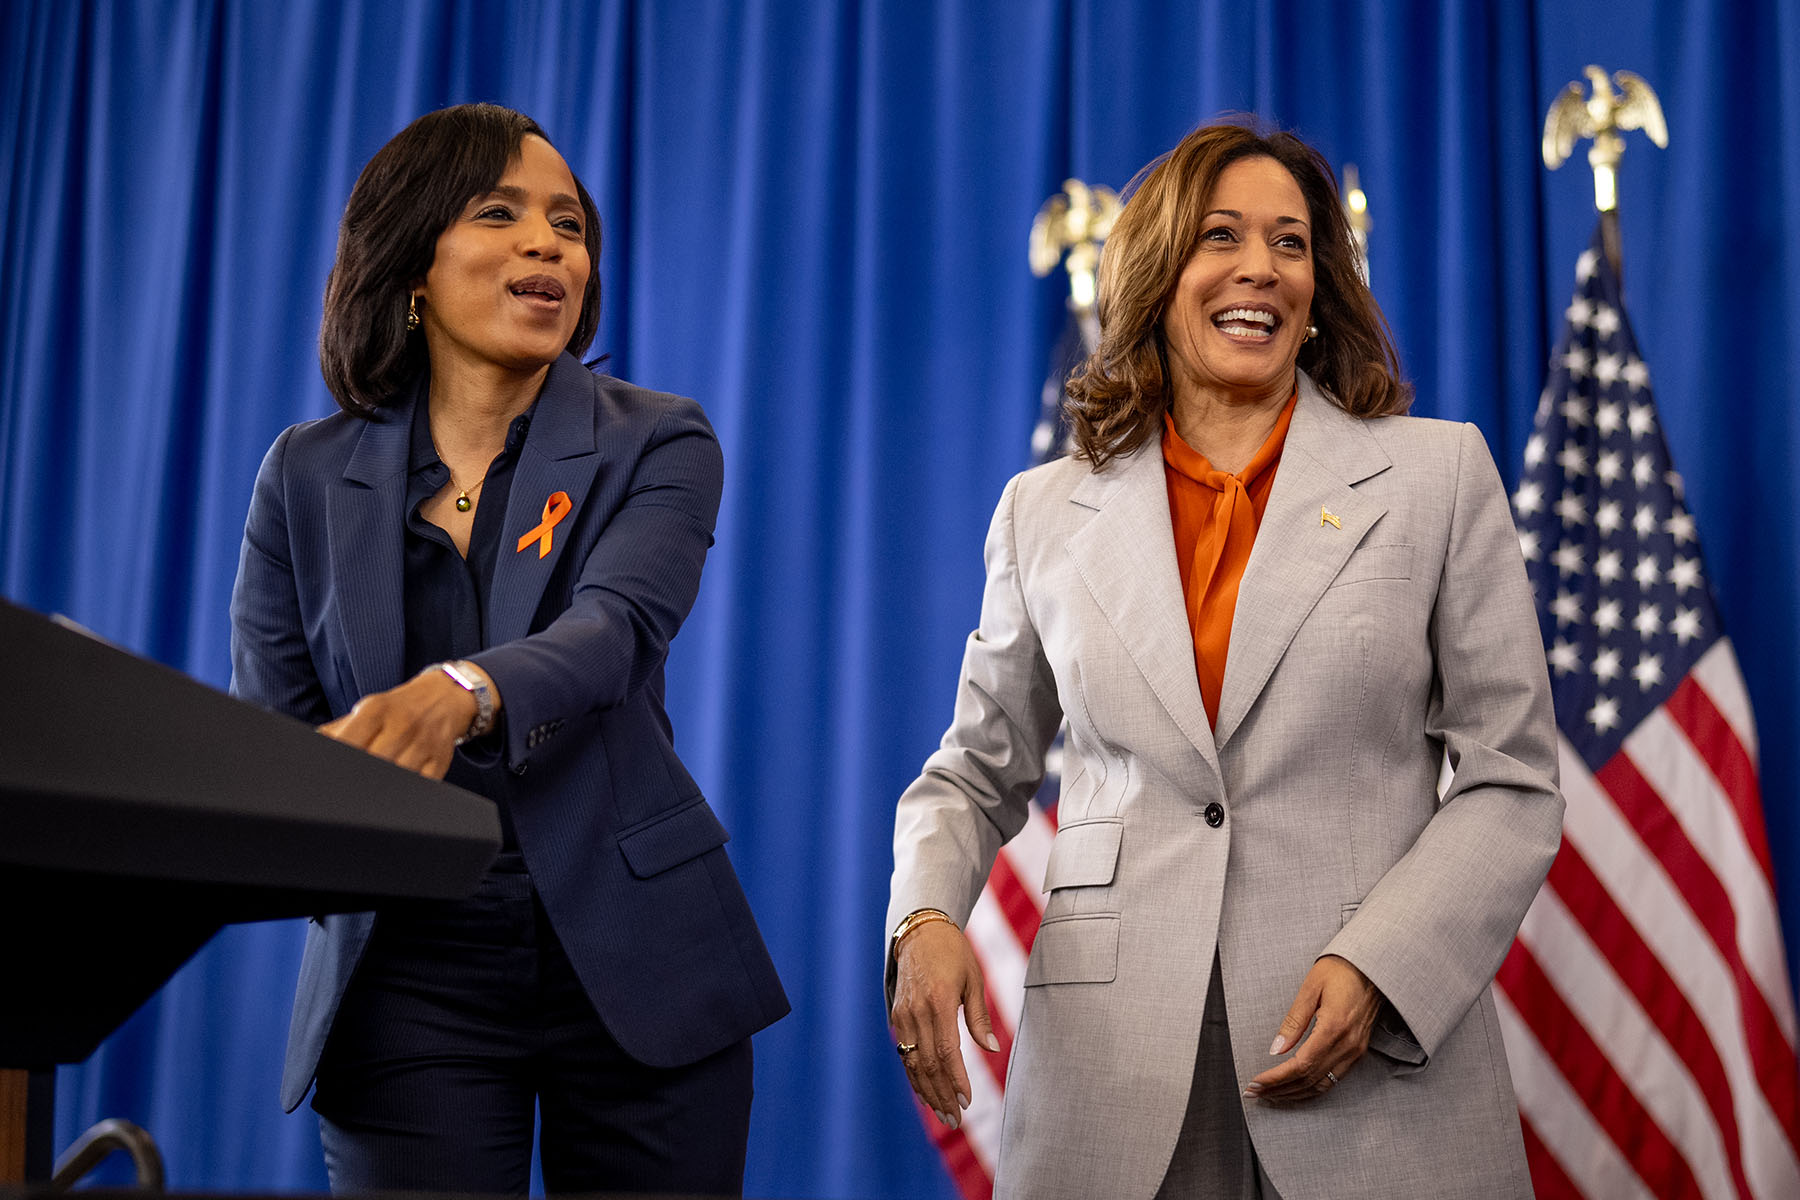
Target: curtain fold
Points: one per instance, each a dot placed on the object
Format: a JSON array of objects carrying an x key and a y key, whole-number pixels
[{"x": 815, "y": 222}]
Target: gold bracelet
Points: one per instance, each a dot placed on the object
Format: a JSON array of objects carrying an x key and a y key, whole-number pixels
[{"x": 923, "y": 916}]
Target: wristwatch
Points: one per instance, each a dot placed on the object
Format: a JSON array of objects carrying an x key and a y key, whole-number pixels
[{"x": 468, "y": 676}]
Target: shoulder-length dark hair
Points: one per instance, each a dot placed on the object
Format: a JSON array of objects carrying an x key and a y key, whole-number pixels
[
  {"x": 410, "y": 192},
  {"x": 1117, "y": 397}
]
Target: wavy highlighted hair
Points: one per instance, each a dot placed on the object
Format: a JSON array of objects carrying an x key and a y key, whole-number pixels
[{"x": 1116, "y": 398}]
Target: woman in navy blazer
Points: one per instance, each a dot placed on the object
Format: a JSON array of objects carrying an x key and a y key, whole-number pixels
[{"x": 474, "y": 571}]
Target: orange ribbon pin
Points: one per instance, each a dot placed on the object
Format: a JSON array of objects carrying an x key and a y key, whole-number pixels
[{"x": 555, "y": 509}]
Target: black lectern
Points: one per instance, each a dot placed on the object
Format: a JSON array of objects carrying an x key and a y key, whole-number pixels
[{"x": 140, "y": 811}]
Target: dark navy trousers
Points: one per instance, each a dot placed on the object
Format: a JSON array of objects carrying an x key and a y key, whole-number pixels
[{"x": 465, "y": 1020}]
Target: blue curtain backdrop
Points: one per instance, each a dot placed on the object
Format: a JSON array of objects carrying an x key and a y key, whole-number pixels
[{"x": 815, "y": 220}]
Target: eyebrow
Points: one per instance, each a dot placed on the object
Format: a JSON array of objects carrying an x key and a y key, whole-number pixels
[
  {"x": 1235, "y": 215},
  {"x": 513, "y": 192}
]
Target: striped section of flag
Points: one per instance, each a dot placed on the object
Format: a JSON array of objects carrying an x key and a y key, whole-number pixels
[{"x": 1648, "y": 1015}]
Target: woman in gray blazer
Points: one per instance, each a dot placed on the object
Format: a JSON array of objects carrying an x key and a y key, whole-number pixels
[{"x": 1271, "y": 610}]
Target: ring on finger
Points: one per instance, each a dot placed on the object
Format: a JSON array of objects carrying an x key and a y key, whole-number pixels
[
  {"x": 905, "y": 1048},
  {"x": 1331, "y": 1077}
]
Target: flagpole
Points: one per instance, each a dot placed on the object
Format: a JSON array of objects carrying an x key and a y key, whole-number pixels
[{"x": 1603, "y": 116}]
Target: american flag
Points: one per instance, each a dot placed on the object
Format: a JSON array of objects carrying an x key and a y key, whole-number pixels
[
  {"x": 1005, "y": 920},
  {"x": 1648, "y": 1015}
]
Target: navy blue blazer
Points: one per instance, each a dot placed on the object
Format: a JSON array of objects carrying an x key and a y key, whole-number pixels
[{"x": 628, "y": 857}]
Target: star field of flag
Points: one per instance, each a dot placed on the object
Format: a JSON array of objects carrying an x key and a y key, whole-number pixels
[{"x": 1609, "y": 545}]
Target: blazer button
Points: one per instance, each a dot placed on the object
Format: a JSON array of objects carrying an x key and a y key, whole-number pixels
[{"x": 1215, "y": 814}]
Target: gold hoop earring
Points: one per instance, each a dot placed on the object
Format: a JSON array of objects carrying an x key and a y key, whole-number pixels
[{"x": 412, "y": 313}]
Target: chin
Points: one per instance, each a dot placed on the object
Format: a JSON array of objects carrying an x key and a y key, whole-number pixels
[
  {"x": 1262, "y": 385},
  {"x": 531, "y": 358}
]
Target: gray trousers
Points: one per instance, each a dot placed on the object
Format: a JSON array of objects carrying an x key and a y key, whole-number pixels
[{"x": 1214, "y": 1159}]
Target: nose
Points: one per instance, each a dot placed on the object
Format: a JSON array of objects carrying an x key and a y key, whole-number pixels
[
  {"x": 537, "y": 237},
  {"x": 1256, "y": 263}
]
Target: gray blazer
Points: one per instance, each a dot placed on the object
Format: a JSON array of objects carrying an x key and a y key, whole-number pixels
[{"x": 1364, "y": 649}]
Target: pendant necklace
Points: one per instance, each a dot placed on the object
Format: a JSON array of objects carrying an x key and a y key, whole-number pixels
[
  {"x": 463, "y": 503},
  {"x": 463, "y": 494}
]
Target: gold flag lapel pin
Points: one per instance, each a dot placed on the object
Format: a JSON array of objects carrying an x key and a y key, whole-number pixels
[{"x": 1327, "y": 517}]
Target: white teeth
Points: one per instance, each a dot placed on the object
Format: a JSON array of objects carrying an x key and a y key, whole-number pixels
[{"x": 1251, "y": 315}]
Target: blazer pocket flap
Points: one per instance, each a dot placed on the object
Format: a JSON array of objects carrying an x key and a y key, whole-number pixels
[
  {"x": 1082, "y": 949},
  {"x": 671, "y": 839},
  {"x": 1376, "y": 562},
  {"x": 1085, "y": 854}
]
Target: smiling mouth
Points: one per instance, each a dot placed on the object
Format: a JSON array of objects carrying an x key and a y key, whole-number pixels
[
  {"x": 1252, "y": 323},
  {"x": 541, "y": 288}
]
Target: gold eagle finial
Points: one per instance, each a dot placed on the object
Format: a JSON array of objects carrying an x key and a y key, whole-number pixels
[
  {"x": 1603, "y": 116},
  {"x": 1074, "y": 223}
]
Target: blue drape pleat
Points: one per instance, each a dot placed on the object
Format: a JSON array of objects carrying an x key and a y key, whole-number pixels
[{"x": 815, "y": 218}]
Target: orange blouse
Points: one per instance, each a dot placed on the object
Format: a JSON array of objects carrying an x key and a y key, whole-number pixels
[{"x": 1216, "y": 517}]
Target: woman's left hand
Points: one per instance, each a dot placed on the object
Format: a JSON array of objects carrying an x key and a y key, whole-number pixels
[
  {"x": 1340, "y": 1003},
  {"x": 414, "y": 725}
]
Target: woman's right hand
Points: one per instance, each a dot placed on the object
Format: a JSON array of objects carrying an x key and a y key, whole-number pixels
[
  {"x": 414, "y": 725},
  {"x": 935, "y": 973}
]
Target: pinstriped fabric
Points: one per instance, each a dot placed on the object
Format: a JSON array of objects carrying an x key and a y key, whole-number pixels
[{"x": 628, "y": 857}]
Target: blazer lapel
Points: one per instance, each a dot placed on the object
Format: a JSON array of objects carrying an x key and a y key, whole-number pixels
[
  {"x": 1299, "y": 548},
  {"x": 559, "y": 455},
  {"x": 1126, "y": 557},
  {"x": 366, "y": 513}
]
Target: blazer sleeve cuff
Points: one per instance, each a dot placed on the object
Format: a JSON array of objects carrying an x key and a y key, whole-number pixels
[{"x": 1393, "y": 1039}]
